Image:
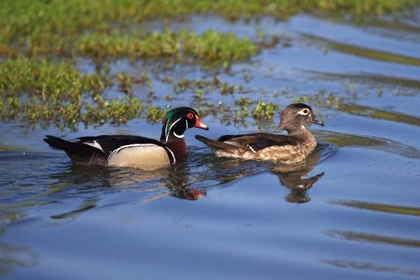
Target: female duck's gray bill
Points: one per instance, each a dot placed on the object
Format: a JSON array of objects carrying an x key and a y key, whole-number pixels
[{"x": 316, "y": 121}]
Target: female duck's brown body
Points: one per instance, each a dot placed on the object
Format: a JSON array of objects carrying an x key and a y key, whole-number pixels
[{"x": 288, "y": 149}]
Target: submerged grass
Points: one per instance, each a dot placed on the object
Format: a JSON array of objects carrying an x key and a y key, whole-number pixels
[
  {"x": 39, "y": 41},
  {"x": 32, "y": 76},
  {"x": 27, "y": 18},
  {"x": 209, "y": 46},
  {"x": 39, "y": 91},
  {"x": 54, "y": 25}
]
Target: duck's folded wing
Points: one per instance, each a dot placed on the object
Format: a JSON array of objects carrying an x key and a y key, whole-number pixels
[
  {"x": 109, "y": 143},
  {"x": 257, "y": 141}
]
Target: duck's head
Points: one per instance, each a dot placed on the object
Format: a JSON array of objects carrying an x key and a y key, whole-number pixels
[
  {"x": 295, "y": 116},
  {"x": 177, "y": 121}
]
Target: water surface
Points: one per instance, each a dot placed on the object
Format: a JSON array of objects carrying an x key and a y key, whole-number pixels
[{"x": 350, "y": 211}]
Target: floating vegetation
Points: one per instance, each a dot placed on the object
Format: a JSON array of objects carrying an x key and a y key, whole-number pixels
[
  {"x": 35, "y": 27},
  {"x": 40, "y": 42},
  {"x": 36, "y": 90},
  {"x": 48, "y": 81},
  {"x": 321, "y": 99},
  {"x": 35, "y": 18},
  {"x": 264, "y": 111},
  {"x": 209, "y": 46}
]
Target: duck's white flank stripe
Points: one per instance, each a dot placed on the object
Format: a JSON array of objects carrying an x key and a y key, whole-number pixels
[
  {"x": 95, "y": 145},
  {"x": 252, "y": 149},
  {"x": 173, "y": 155},
  {"x": 132, "y": 146}
]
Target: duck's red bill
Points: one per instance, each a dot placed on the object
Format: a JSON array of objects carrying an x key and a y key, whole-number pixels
[{"x": 199, "y": 124}]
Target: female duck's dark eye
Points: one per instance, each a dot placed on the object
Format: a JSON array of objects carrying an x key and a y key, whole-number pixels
[{"x": 190, "y": 116}]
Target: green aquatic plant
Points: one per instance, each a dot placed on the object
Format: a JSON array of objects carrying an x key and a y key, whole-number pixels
[
  {"x": 41, "y": 91},
  {"x": 75, "y": 16},
  {"x": 264, "y": 111},
  {"x": 214, "y": 46},
  {"x": 124, "y": 82},
  {"x": 154, "y": 114},
  {"x": 209, "y": 46},
  {"x": 41, "y": 42},
  {"x": 321, "y": 99},
  {"x": 45, "y": 27}
]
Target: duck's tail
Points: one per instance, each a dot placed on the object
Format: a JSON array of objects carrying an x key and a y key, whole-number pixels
[
  {"x": 78, "y": 152},
  {"x": 215, "y": 144}
]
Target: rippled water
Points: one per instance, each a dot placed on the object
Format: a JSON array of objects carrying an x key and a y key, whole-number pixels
[{"x": 350, "y": 211}]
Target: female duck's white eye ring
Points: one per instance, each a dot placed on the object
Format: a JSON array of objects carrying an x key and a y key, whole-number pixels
[{"x": 304, "y": 112}]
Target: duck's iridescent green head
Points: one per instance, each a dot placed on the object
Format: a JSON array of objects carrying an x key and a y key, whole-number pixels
[{"x": 177, "y": 121}]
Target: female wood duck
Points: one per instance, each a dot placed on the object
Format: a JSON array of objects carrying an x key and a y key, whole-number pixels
[
  {"x": 134, "y": 151},
  {"x": 286, "y": 149}
]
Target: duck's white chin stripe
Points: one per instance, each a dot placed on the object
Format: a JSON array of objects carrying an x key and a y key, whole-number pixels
[{"x": 178, "y": 136}]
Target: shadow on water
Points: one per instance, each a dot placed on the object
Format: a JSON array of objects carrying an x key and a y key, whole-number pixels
[
  {"x": 371, "y": 267},
  {"x": 366, "y": 78},
  {"x": 374, "y": 113},
  {"x": 222, "y": 171},
  {"x": 364, "y": 52},
  {"x": 385, "y": 208},
  {"x": 12, "y": 256},
  {"x": 57, "y": 180},
  {"x": 294, "y": 177},
  {"x": 374, "y": 239},
  {"x": 30, "y": 180},
  {"x": 97, "y": 182},
  {"x": 369, "y": 142}
]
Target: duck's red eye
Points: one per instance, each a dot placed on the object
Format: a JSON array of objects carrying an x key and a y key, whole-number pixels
[{"x": 190, "y": 116}]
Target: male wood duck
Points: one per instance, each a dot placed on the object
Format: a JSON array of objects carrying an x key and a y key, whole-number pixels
[
  {"x": 134, "y": 151},
  {"x": 288, "y": 149}
]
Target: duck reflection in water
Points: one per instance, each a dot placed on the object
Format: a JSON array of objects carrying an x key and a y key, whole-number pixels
[
  {"x": 93, "y": 182},
  {"x": 174, "y": 179},
  {"x": 293, "y": 177}
]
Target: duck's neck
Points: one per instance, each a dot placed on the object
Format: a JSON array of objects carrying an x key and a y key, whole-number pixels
[
  {"x": 178, "y": 148},
  {"x": 305, "y": 138}
]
